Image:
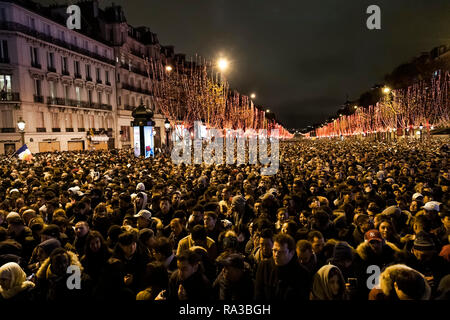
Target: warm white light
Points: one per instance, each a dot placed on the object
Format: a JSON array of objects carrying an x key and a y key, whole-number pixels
[
  {"x": 356, "y": 107},
  {"x": 168, "y": 68},
  {"x": 268, "y": 110},
  {"x": 253, "y": 96},
  {"x": 21, "y": 125},
  {"x": 418, "y": 132},
  {"x": 386, "y": 90},
  {"x": 223, "y": 64}
]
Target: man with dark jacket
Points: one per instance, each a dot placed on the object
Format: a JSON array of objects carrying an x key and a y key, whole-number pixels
[
  {"x": 281, "y": 277},
  {"x": 188, "y": 282},
  {"x": 134, "y": 261},
  {"x": 235, "y": 281}
]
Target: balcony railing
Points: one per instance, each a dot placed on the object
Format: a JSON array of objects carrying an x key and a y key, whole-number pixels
[
  {"x": 36, "y": 65},
  {"x": 65, "y": 72},
  {"x": 135, "y": 89},
  {"x": 99, "y": 81},
  {"x": 4, "y": 60},
  {"x": 8, "y": 130},
  {"x": 78, "y": 104},
  {"x": 128, "y": 107},
  {"x": 9, "y": 96},
  {"x": 77, "y": 76},
  {"x": 39, "y": 99},
  {"x": 136, "y": 70},
  {"x": 51, "y": 69},
  {"x": 108, "y": 83},
  {"x": 17, "y": 27},
  {"x": 88, "y": 78}
]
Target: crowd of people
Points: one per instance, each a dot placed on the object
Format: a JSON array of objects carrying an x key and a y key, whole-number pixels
[{"x": 341, "y": 220}]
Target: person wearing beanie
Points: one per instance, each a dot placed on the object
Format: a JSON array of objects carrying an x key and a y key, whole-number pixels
[
  {"x": 20, "y": 233},
  {"x": 42, "y": 252},
  {"x": 424, "y": 257}
]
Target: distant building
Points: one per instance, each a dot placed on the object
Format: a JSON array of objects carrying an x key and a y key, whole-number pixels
[{"x": 61, "y": 82}]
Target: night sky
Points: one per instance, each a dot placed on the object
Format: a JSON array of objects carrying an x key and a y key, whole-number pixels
[{"x": 300, "y": 57}]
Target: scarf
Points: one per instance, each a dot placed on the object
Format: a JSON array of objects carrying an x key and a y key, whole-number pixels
[{"x": 18, "y": 280}]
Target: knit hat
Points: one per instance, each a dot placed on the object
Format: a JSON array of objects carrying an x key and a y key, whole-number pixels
[
  {"x": 51, "y": 230},
  {"x": 235, "y": 260},
  {"x": 423, "y": 242},
  {"x": 342, "y": 251},
  {"x": 140, "y": 187},
  {"x": 49, "y": 245}
]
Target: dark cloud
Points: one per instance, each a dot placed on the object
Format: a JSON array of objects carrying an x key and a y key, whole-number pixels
[{"x": 301, "y": 57}]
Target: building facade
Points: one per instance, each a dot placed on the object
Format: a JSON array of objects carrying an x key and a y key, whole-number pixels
[
  {"x": 60, "y": 82},
  {"x": 69, "y": 84}
]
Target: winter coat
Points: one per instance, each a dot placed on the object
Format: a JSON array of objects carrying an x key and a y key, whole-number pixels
[
  {"x": 197, "y": 287},
  {"x": 21, "y": 290},
  {"x": 51, "y": 287},
  {"x": 386, "y": 290},
  {"x": 243, "y": 290},
  {"x": 289, "y": 282}
]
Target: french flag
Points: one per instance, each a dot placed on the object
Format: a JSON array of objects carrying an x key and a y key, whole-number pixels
[{"x": 24, "y": 153}]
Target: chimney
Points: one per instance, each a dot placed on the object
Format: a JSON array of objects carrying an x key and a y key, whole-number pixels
[{"x": 95, "y": 5}]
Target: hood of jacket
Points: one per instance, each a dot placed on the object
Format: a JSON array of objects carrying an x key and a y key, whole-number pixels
[
  {"x": 387, "y": 280},
  {"x": 365, "y": 252},
  {"x": 45, "y": 272}
]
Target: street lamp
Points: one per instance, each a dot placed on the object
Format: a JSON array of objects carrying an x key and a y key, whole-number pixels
[
  {"x": 222, "y": 64},
  {"x": 253, "y": 96},
  {"x": 386, "y": 90},
  {"x": 21, "y": 126},
  {"x": 268, "y": 110},
  {"x": 169, "y": 68},
  {"x": 167, "y": 126}
]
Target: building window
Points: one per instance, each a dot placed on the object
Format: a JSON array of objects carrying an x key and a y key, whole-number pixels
[
  {"x": 2, "y": 14},
  {"x": 47, "y": 30},
  {"x": 51, "y": 86},
  {"x": 34, "y": 56},
  {"x": 96, "y": 49},
  {"x": 4, "y": 56},
  {"x": 66, "y": 94},
  {"x": 86, "y": 45},
  {"x": 98, "y": 75},
  {"x": 75, "y": 42},
  {"x": 62, "y": 36},
  {"x": 51, "y": 60},
  {"x": 78, "y": 94},
  {"x": 5, "y": 83},
  {"x": 88, "y": 72},
  {"x": 90, "y": 96},
  {"x": 108, "y": 99},
  {"x": 107, "y": 76},
  {"x": 64, "y": 66},
  {"x": 76, "y": 65},
  {"x": 6, "y": 119},
  {"x": 99, "y": 97},
  {"x": 31, "y": 23},
  {"x": 118, "y": 77},
  {"x": 37, "y": 87},
  {"x": 120, "y": 100}
]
